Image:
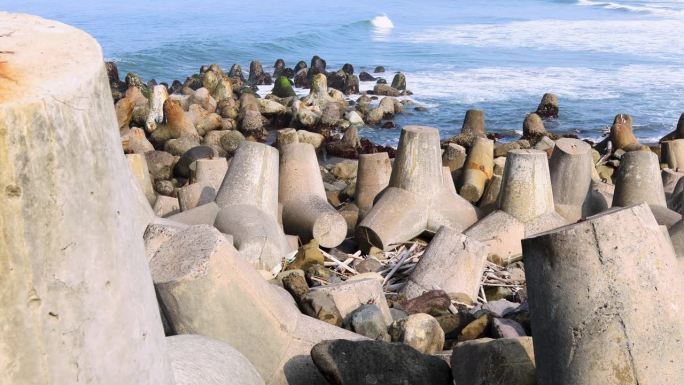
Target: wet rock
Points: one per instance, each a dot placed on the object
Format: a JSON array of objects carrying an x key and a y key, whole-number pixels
[
  {"x": 508, "y": 361},
  {"x": 548, "y": 107},
  {"x": 283, "y": 88},
  {"x": 399, "y": 81},
  {"x": 420, "y": 331},
  {"x": 366, "y": 77},
  {"x": 379, "y": 69},
  {"x": 301, "y": 78},
  {"x": 369, "y": 322},
  {"x": 345, "y": 362},
  {"x": 385, "y": 90},
  {"x": 257, "y": 76}
]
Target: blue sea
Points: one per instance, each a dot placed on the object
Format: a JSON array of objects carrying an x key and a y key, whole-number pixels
[{"x": 600, "y": 57}]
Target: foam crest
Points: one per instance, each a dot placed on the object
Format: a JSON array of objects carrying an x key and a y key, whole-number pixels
[{"x": 382, "y": 22}]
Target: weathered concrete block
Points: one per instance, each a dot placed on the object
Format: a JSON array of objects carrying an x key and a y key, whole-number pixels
[
  {"x": 306, "y": 211},
  {"x": 452, "y": 262},
  {"x": 76, "y": 304},
  {"x": 195, "y": 194},
  {"x": 141, "y": 173},
  {"x": 209, "y": 172},
  {"x": 207, "y": 288},
  {"x": 165, "y": 206},
  {"x": 372, "y": 177},
  {"x": 594, "y": 288},
  {"x": 478, "y": 169},
  {"x": 501, "y": 233},
  {"x": 638, "y": 180},
  {"x": 570, "y": 168},
  {"x": 199, "y": 360},
  {"x": 526, "y": 187},
  {"x": 200, "y": 215}
]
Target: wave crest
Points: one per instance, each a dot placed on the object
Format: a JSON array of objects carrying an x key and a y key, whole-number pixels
[{"x": 382, "y": 22}]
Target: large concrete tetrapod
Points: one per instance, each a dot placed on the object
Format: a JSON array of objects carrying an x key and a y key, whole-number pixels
[
  {"x": 306, "y": 211},
  {"x": 478, "y": 169},
  {"x": 570, "y": 168},
  {"x": 416, "y": 199},
  {"x": 372, "y": 177},
  {"x": 673, "y": 154},
  {"x": 452, "y": 262},
  {"x": 526, "y": 192},
  {"x": 248, "y": 199},
  {"x": 77, "y": 304},
  {"x": 638, "y": 180},
  {"x": 605, "y": 302},
  {"x": 207, "y": 288}
]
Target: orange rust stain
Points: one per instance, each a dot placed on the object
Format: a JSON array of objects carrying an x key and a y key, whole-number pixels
[{"x": 9, "y": 82}]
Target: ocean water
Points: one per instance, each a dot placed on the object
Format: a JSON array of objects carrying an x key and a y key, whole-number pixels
[{"x": 600, "y": 57}]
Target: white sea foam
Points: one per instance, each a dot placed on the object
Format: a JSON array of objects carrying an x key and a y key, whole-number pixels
[
  {"x": 646, "y": 8},
  {"x": 652, "y": 38},
  {"x": 495, "y": 84},
  {"x": 382, "y": 22}
]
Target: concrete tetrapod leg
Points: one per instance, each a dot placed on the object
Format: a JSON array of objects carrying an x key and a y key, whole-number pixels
[
  {"x": 199, "y": 360},
  {"x": 605, "y": 300},
  {"x": 252, "y": 178},
  {"x": 526, "y": 191},
  {"x": 206, "y": 287},
  {"x": 306, "y": 211},
  {"x": 638, "y": 180},
  {"x": 452, "y": 262},
  {"x": 209, "y": 172},
  {"x": 417, "y": 198},
  {"x": 570, "y": 169},
  {"x": 673, "y": 154},
  {"x": 501, "y": 233},
  {"x": 373, "y": 175},
  {"x": 76, "y": 302},
  {"x": 478, "y": 169},
  {"x": 258, "y": 238}
]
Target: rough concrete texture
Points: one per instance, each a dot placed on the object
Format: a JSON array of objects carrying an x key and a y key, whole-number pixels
[
  {"x": 165, "y": 206},
  {"x": 452, "y": 262},
  {"x": 350, "y": 295},
  {"x": 306, "y": 211},
  {"x": 141, "y": 173},
  {"x": 526, "y": 187},
  {"x": 209, "y": 172},
  {"x": 570, "y": 168},
  {"x": 506, "y": 361},
  {"x": 478, "y": 169},
  {"x": 200, "y": 215},
  {"x": 199, "y": 360},
  {"x": 605, "y": 302},
  {"x": 416, "y": 198},
  {"x": 373, "y": 176},
  {"x": 258, "y": 237},
  {"x": 501, "y": 233},
  {"x": 196, "y": 194},
  {"x": 638, "y": 180},
  {"x": 207, "y": 288},
  {"x": 76, "y": 302},
  {"x": 252, "y": 178},
  {"x": 673, "y": 154}
]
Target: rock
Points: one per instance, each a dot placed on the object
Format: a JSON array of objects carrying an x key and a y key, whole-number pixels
[
  {"x": 345, "y": 169},
  {"x": 533, "y": 126},
  {"x": 160, "y": 164},
  {"x": 350, "y": 295},
  {"x": 375, "y": 116},
  {"x": 320, "y": 305},
  {"x": 621, "y": 134},
  {"x": 203, "y": 99},
  {"x": 301, "y": 78},
  {"x": 379, "y": 69},
  {"x": 348, "y": 69},
  {"x": 177, "y": 121},
  {"x": 283, "y": 88},
  {"x": 452, "y": 324},
  {"x": 548, "y": 107},
  {"x": 508, "y": 361},
  {"x": 330, "y": 115},
  {"x": 476, "y": 329},
  {"x": 351, "y": 85},
  {"x": 182, "y": 167},
  {"x": 317, "y": 67},
  {"x": 385, "y": 90},
  {"x": 366, "y": 77},
  {"x": 433, "y": 302},
  {"x": 368, "y": 321},
  {"x": 306, "y": 256},
  {"x": 506, "y": 328},
  {"x": 270, "y": 107},
  {"x": 312, "y": 138},
  {"x": 165, "y": 187},
  {"x": 500, "y": 307},
  {"x": 135, "y": 142},
  {"x": 399, "y": 81},
  {"x": 420, "y": 331},
  {"x": 454, "y": 156},
  {"x": 369, "y": 264},
  {"x": 257, "y": 76},
  {"x": 179, "y": 146},
  {"x": 230, "y": 141},
  {"x": 366, "y": 363}
]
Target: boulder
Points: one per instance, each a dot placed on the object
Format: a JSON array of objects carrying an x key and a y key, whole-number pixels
[
  {"x": 548, "y": 106},
  {"x": 507, "y": 361},
  {"x": 420, "y": 331}
]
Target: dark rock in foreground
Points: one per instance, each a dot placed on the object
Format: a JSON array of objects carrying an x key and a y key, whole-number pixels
[{"x": 345, "y": 362}]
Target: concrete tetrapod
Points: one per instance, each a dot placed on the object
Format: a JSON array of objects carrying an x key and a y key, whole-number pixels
[
  {"x": 306, "y": 211},
  {"x": 206, "y": 287},
  {"x": 638, "y": 180},
  {"x": 526, "y": 191},
  {"x": 570, "y": 169},
  {"x": 452, "y": 262},
  {"x": 416, "y": 199},
  {"x": 199, "y": 360},
  {"x": 373, "y": 175},
  {"x": 478, "y": 169},
  {"x": 605, "y": 300},
  {"x": 248, "y": 199},
  {"x": 76, "y": 302}
]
